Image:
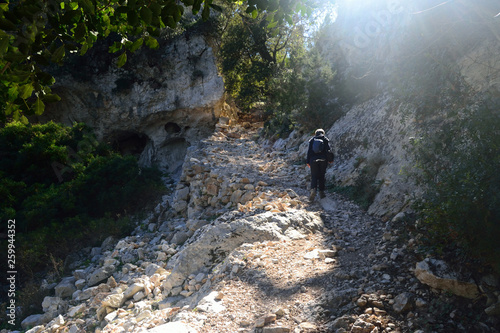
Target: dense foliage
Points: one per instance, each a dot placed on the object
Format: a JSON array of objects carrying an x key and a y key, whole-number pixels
[
  {"x": 459, "y": 168},
  {"x": 252, "y": 49},
  {"x": 280, "y": 69},
  {"x": 65, "y": 191}
]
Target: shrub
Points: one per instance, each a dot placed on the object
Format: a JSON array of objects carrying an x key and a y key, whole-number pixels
[
  {"x": 66, "y": 191},
  {"x": 458, "y": 166}
]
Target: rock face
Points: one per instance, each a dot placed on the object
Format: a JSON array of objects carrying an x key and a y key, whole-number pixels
[
  {"x": 156, "y": 106},
  {"x": 372, "y": 136}
]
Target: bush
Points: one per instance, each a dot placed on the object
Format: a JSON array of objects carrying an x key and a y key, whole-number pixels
[
  {"x": 458, "y": 167},
  {"x": 66, "y": 191}
]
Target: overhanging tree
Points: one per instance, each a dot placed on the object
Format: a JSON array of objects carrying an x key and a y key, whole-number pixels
[{"x": 36, "y": 33}]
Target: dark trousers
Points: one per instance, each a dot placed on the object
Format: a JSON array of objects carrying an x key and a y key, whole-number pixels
[{"x": 318, "y": 170}]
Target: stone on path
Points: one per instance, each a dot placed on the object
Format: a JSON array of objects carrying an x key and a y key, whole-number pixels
[
  {"x": 211, "y": 303},
  {"x": 328, "y": 204},
  {"x": 436, "y": 274}
]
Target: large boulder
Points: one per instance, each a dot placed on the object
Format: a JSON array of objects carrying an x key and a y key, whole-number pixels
[
  {"x": 436, "y": 274},
  {"x": 32, "y": 321},
  {"x": 66, "y": 287},
  {"x": 99, "y": 275}
]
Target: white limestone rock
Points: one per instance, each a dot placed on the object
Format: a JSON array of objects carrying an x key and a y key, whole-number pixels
[
  {"x": 66, "y": 287},
  {"x": 436, "y": 274},
  {"x": 100, "y": 275}
]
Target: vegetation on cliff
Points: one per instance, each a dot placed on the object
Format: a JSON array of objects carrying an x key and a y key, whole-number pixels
[{"x": 35, "y": 34}]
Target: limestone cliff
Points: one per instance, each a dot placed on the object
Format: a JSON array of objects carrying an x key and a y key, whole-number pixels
[{"x": 156, "y": 106}]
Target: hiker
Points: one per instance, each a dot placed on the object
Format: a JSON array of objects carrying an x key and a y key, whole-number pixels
[{"x": 317, "y": 160}]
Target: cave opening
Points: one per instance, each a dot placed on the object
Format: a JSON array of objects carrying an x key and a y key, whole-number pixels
[
  {"x": 129, "y": 143},
  {"x": 172, "y": 128}
]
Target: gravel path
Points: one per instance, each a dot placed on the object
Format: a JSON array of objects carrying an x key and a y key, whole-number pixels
[{"x": 292, "y": 286}]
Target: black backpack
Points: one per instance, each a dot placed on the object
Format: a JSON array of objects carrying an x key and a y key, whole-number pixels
[{"x": 318, "y": 146}]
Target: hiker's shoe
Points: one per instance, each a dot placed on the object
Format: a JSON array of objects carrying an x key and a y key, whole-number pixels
[
  {"x": 322, "y": 194},
  {"x": 312, "y": 195}
]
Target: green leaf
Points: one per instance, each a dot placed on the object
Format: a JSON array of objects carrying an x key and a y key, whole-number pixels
[
  {"x": 38, "y": 107},
  {"x": 7, "y": 25},
  {"x": 146, "y": 15},
  {"x": 40, "y": 59},
  {"x": 58, "y": 54},
  {"x": 15, "y": 57},
  {"x": 16, "y": 115},
  {"x": 261, "y": 4},
  {"x": 87, "y": 6},
  {"x": 136, "y": 45},
  {"x": 156, "y": 22},
  {"x": 13, "y": 92},
  {"x": 85, "y": 48},
  {"x": 169, "y": 22},
  {"x": 155, "y": 8},
  {"x": 51, "y": 98},
  {"x": 131, "y": 4},
  {"x": 196, "y": 6},
  {"x": 272, "y": 24},
  {"x": 25, "y": 91},
  {"x": 152, "y": 43},
  {"x": 117, "y": 46},
  {"x": 272, "y": 6},
  {"x": 80, "y": 31},
  {"x": 10, "y": 108},
  {"x": 255, "y": 13},
  {"x": 71, "y": 16},
  {"x": 45, "y": 78},
  {"x": 178, "y": 13},
  {"x": 300, "y": 7},
  {"x": 4, "y": 45},
  {"x": 122, "y": 59},
  {"x": 19, "y": 76}
]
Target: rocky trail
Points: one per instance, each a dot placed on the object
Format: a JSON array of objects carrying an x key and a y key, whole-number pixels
[{"x": 238, "y": 247}]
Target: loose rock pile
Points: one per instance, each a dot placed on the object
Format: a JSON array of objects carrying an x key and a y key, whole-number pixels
[{"x": 238, "y": 248}]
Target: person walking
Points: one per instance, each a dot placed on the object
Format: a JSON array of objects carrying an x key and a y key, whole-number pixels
[{"x": 317, "y": 161}]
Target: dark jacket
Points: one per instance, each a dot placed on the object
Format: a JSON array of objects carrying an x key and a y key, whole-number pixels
[{"x": 311, "y": 155}]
